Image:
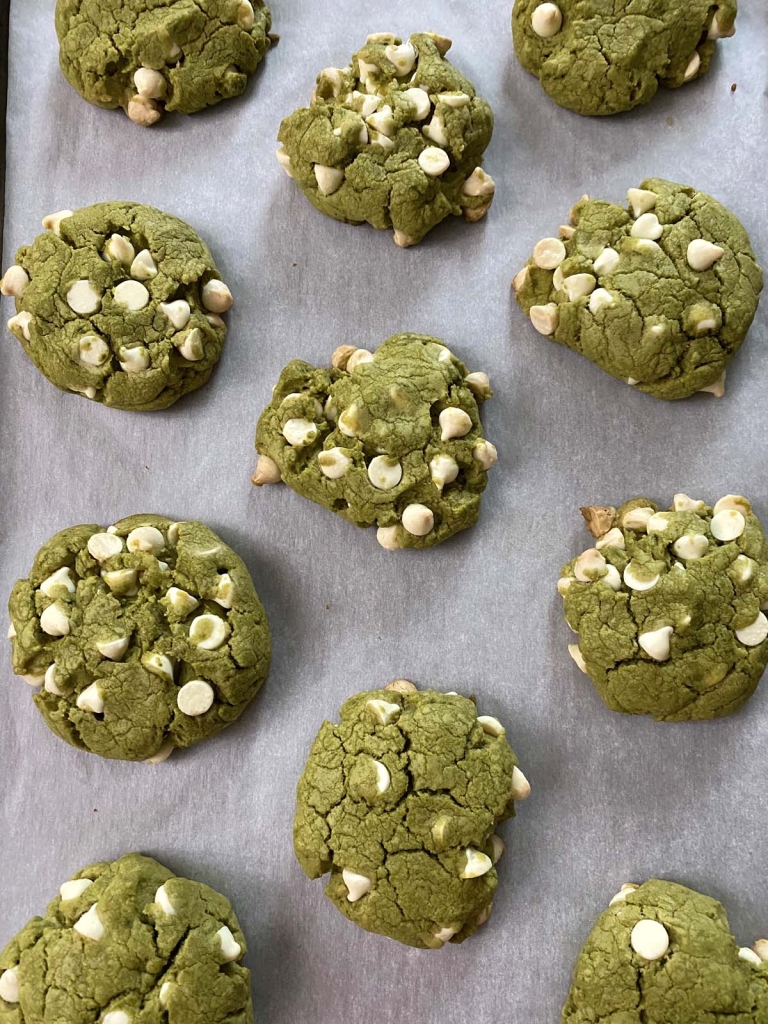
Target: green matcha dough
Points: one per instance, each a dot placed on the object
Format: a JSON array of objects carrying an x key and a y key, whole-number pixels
[
  {"x": 128, "y": 942},
  {"x": 144, "y": 637},
  {"x": 120, "y": 303},
  {"x": 663, "y": 954},
  {"x": 667, "y": 607},
  {"x": 395, "y": 140},
  {"x": 400, "y": 802},
  {"x": 606, "y": 56},
  {"x": 147, "y": 56},
  {"x": 660, "y": 296},
  {"x": 391, "y": 439}
]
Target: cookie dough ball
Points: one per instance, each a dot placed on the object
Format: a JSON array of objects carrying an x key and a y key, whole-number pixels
[
  {"x": 395, "y": 140},
  {"x": 128, "y": 942},
  {"x": 669, "y": 607},
  {"x": 664, "y": 953},
  {"x": 602, "y": 58},
  {"x": 391, "y": 439},
  {"x": 660, "y": 296},
  {"x": 400, "y": 802},
  {"x": 146, "y": 636},
  {"x": 165, "y": 55},
  {"x": 120, "y": 303}
]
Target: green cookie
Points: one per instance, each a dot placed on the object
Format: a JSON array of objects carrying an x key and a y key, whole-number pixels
[
  {"x": 400, "y": 802},
  {"x": 120, "y": 303},
  {"x": 391, "y": 439},
  {"x": 147, "y": 56},
  {"x": 395, "y": 140},
  {"x": 605, "y": 56},
  {"x": 128, "y": 942},
  {"x": 660, "y": 296},
  {"x": 667, "y": 607},
  {"x": 144, "y": 637},
  {"x": 663, "y": 954}
]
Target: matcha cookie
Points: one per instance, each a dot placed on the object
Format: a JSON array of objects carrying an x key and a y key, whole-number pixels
[
  {"x": 395, "y": 140},
  {"x": 145, "y": 636},
  {"x": 120, "y": 303},
  {"x": 667, "y": 607},
  {"x": 391, "y": 439},
  {"x": 128, "y": 942},
  {"x": 660, "y": 296},
  {"x": 400, "y": 802},
  {"x": 663, "y": 954},
  {"x": 601, "y": 58},
  {"x": 148, "y": 56}
]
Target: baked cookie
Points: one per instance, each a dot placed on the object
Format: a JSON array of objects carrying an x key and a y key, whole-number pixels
[
  {"x": 164, "y": 55},
  {"x": 146, "y": 636},
  {"x": 667, "y": 607},
  {"x": 395, "y": 140},
  {"x": 664, "y": 954},
  {"x": 660, "y": 296},
  {"x": 128, "y": 942},
  {"x": 120, "y": 303},
  {"x": 400, "y": 802},
  {"x": 602, "y": 58},
  {"x": 391, "y": 439}
]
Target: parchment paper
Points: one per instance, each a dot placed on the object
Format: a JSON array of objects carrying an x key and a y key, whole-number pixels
[{"x": 614, "y": 798}]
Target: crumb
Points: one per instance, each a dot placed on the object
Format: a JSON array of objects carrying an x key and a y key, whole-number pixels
[{"x": 734, "y": 87}]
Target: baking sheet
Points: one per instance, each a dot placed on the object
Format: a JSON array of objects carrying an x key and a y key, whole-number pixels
[{"x": 614, "y": 798}]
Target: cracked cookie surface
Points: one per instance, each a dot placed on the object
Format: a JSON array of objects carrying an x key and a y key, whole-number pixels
[
  {"x": 144, "y": 637},
  {"x": 390, "y": 438},
  {"x": 120, "y": 303},
  {"x": 148, "y": 56},
  {"x": 399, "y": 802},
  {"x": 660, "y": 296},
  {"x": 128, "y": 942},
  {"x": 669, "y": 607},
  {"x": 603, "y": 58},
  {"x": 663, "y": 954},
  {"x": 395, "y": 140}
]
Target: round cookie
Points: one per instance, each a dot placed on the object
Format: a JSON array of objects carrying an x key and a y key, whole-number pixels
[
  {"x": 602, "y": 58},
  {"x": 395, "y": 140},
  {"x": 664, "y": 954},
  {"x": 669, "y": 607},
  {"x": 660, "y": 296},
  {"x": 164, "y": 55},
  {"x": 391, "y": 439},
  {"x": 144, "y": 637},
  {"x": 400, "y": 802},
  {"x": 128, "y": 942},
  {"x": 121, "y": 303}
]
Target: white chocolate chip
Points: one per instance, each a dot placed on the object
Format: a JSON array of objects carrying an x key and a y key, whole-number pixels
[
  {"x": 163, "y": 754},
  {"x": 435, "y": 131},
  {"x": 379, "y": 139},
  {"x": 245, "y": 15},
  {"x": 647, "y": 226},
  {"x": 388, "y": 538},
  {"x": 521, "y": 787},
  {"x": 195, "y": 698},
  {"x": 216, "y": 296},
  {"x": 384, "y": 712},
  {"x": 34, "y": 680},
  {"x": 613, "y": 539},
  {"x": 485, "y": 453},
  {"x": 754, "y": 634},
  {"x": 434, "y": 161},
  {"x": 119, "y": 249},
  {"x": 641, "y": 201},
  {"x": 122, "y": 581},
  {"x": 589, "y": 566},
  {"x": 692, "y": 68},
  {"x": 682, "y": 503},
  {"x": 267, "y": 472},
  {"x": 158, "y": 665},
  {"x": 75, "y": 888},
  {"x": 418, "y": 520},
  {"x": 53, "y": 221},
  {"x": 736, "y": 501},
  {"x": 599, "y": 298},
  {"x": 490, "y": 725},
  {"x": 116, "y": 1017},
  {"x": 656, "y": 643},
  {"x": 690, "y": 546},
  {"x": 658, "y": 522},
  {"x": 620, "y": 897},
  {"x": 498, "y": 847},
  {"x": 606, "y": 262},
  {"x": 181, "y": 601},
  {"x": 727, "y": 525},
  {"x": 403, "y": 57},
  {"x": 612, "y": 577},
  {"x": 89, "y": 925},
  {"x": 82, "y": 298},
  {"x": 93, "y": 350},
  {"x": 143, "y": 267},
  {"x": 299, "y": 432},
  {"x": 717, "y": 32},
  {"x": 637, "y": 518},
  {"x": 134, "y": 359},
  {"x": 549, "y": 253},
  {"x": 477, "y": 864},
  {"x": 367, "y": 72},
  {"x": 717, "y": 389},
  {"x": 9, "y": 985},
  {"x": 545, "y": 318},
  {"x": 457, "y": 100},
  {"x": 636, "y": 579},
  {"x": 578, "y": 657},
  {"x": 334, "y": 463},
  {"x": 547, "y": 20},
  {"x": 91, "y": 700},
  {"x": 146, "y": 538},
  {"x": 761, "y": 948},
  {"x": 443, "y": 470},
  {"x": 382, "y": 121},
  {"x": 385, "y": 472},
  {"x": 131, "y": 295},
  {"x": 177, "y": 312},
  {"x": 563, "y": 584},
  {"x": 357, "y": 885},
  {"x": 444, "y": 935},
  {"x": 383, "y": 778},
  {"x": 520, "y": 278},
  {"x": 208, "y": 632},
  {"x": 230, "y": 948},
  {"x": 358, "y": 358},
  {"x": 54, "y": 621},
  {"x": 419, "y": 100},
  {"x": 149, "y": 83},
  {"x": 578, "y": 286},
  {"x": 479, "y": 184},
  {"x": 751, "y": 957},
  {"x": 650, "y": 940},
  {"x": 285, "y": 161},
  {"x": 225, "y": 591},
  {"x": 61, "y": 578},
  {"x": 329, "y": 179},
  {"x": 21, "y": 322},
  {"x": 14, "y": 282},
  {"x": 114, "y": 650},
  {"x": 50, "y": 684},
  {"x": 366, "y": 105},
  {"x": 454, "y": 423},
  {"x": 190, "y": 345},
  {"x": 744, "y": 569},
  {"x": 479, "y": 384},
  {"x": 163, "y": 900},
  {"x": 11, "y": 631},
  {"x": 165, "y": 991},
  {"x": 702, "y": 254}
]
